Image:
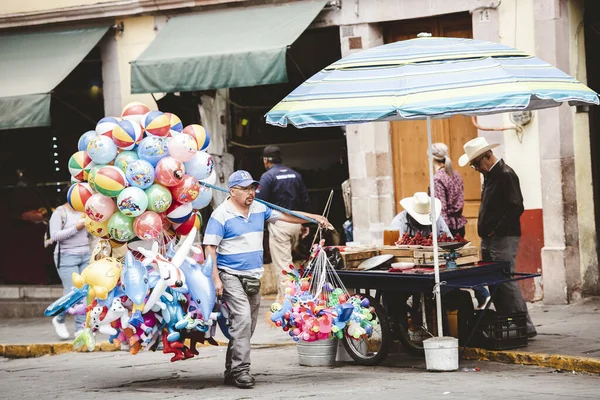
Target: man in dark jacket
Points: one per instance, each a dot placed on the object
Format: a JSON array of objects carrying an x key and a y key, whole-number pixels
[
  {"x": 284, "y": 187},
  {"x": 499, "y": 224}
]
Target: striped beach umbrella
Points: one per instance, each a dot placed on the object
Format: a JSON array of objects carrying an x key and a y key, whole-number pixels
[
  {"x": 425, "y": 78},
  {"x": 428, "y": 77}
]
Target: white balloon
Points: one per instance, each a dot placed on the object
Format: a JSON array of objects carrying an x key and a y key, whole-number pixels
[{"x": 212, "y": 178}]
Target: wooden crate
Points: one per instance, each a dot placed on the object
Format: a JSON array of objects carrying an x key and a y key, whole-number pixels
[
  {"x": 352, "y": 259},
  {"x": 468, "y": 255}
]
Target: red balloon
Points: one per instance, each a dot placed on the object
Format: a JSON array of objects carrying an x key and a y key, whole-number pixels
[
  {"x": 169, "y": 171},
  {"x": 187, "y": 190},
  {"x": 148, "y": 225}
]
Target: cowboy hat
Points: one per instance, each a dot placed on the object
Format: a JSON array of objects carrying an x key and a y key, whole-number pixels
[
  {"x": 419, "y": 207},
  {"x": 474, "y": 148}
]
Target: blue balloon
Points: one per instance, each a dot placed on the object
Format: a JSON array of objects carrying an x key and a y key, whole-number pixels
[
  {"x": 140, "y": 173},
  {"x": 85, "y": 139},
  {"x": 203, "y": 199},
  {"x": 152, "y": 149},
  {"x": 102, "y": 149}
]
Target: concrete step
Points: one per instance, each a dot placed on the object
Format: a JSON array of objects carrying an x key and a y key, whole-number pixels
[
  {"x": 23, "y": 308},
  {"x": 14, "y": 292}
]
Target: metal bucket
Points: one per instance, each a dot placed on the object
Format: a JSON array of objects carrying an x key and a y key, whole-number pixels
[{"x": 320, "y": 353}]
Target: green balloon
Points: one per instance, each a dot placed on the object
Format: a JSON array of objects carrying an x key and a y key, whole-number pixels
[
  {"x": 120, "y": 227},
  {"x": 159, "y": 198},
  {"x": 124, "y": 158},
  {"x": 92, "y": 176}
]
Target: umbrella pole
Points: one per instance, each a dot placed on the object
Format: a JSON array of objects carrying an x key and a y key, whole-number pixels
[{"x": 434, "y": 231}]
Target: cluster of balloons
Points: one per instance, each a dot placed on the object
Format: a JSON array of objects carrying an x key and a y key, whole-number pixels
[
  {"x": 138, "y": 175},
  {"x": 309, "y": 317},
  {"x": 143, "y": 302}
]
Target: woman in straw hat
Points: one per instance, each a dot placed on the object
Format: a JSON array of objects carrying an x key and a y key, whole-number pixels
[{"x": 416, "y": 217}]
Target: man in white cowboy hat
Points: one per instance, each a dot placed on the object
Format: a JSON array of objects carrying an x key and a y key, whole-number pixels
[
  {"x": 499, "y": 224},
  {"x": 416, "y": 216}
]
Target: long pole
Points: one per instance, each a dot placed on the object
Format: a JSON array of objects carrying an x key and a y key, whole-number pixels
[
  {"x": 436, "y": 265},
  {"x": 266, "y": 203}
]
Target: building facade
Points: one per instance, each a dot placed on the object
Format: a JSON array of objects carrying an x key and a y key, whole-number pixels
[{"x": 553, "y": 153}]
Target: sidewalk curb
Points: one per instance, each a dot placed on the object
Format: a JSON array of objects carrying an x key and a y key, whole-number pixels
[
  {"x": 562, "y": 362},
  {"x": 52, "y": 349}
]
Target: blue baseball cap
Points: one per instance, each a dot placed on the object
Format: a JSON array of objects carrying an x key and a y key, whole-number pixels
[{"x": 241, "y": 178}]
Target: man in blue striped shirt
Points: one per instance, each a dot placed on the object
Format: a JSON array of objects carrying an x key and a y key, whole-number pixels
[{"x": 234, "y": 238}]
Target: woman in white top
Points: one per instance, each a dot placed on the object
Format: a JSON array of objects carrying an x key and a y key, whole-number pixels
[{"x": 71, "y": 254}]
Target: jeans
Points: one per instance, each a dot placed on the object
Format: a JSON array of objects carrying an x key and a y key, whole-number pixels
[
  {"x": 243, "y": 314},
  {"x": 508, "y": 298},
  {"x": 70, "y": 263}
]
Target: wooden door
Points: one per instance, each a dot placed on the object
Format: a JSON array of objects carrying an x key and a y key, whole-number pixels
[{"x": 409, "y": 138}]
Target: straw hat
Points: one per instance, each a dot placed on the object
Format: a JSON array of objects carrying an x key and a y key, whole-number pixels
[
  {"x": 474, "y": 148},
  {"x": 419, "y": 207}
]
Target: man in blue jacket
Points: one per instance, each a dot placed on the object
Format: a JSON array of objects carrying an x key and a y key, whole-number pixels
[{"x": 284, "y": 187}]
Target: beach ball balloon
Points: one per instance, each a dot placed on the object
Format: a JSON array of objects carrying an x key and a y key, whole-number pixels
[
  {"x": 92, "y": 176},
  {"x": 132, "y": 201},
  {"x": 175, "y": 123},
  {"x": 194, "y": 221},
  {"x": 102, "y": 150},
  {"x": 204, "y": 198},
  {"x": 159, "y": 198},
  {"x": 110, "y": 181},
  {"x": 212, "y": 178},
  {"x": 179, "y": 213},
  {"x": 105, "y": 126},
  {"x": 98, "y": 229},
  {"x": 120, "y": 227},
  {"x": 80, "y": 164},
  {"x": 169, "y": 171},
  {"x": 140, "y": 173},
  {"x": 125, "y": 158},
  {"x": 200, "y": 166},
  {"x": 100, "y": 208},
  {"x": 199, "y": 134},
  {"x": 74, "y": 181},
  {"x": 127, "y": 134},
  {"x": 135, "y": 111},
  {"x": 78, "y": 195},
  {"x": 85, "y": 139},
  {"x": 182, "y": 147},
  {"x": 156, "y": 123},
  {"x": 152, "y": 149},
  {"x": 187, "y": 190},
  {"x": 148, "y": 226}
]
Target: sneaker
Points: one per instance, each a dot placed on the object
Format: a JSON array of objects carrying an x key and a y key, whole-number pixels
[
  {"x": 531, "y": 335},
  {"x": 60, "y": 328},
  {"x": 242, "y": 381}
]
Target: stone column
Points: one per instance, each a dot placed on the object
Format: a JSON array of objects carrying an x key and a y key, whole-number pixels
[
  {"x": 369, "y": 150},
  {"x": 560, "y": 255}
]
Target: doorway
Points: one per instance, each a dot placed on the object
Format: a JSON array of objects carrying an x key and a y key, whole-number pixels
[{"x": 409, "y": 138}]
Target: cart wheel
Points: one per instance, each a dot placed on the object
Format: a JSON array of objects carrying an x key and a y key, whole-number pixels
[
  {"x": 373, "y": 349},
  {"x": 411, "y": 327}
]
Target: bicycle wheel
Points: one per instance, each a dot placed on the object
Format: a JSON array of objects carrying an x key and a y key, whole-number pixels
[
  {"x": 372, "y": 349},
  {"x": 415, "y": 325}
]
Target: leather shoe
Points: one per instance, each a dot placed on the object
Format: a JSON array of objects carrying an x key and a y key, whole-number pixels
[{"x": 243, "y": 381}]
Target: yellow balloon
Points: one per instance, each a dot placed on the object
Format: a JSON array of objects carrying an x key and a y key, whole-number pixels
[
  {"x": 102, "y": 277},
  {"x": 98, "y": 229}
]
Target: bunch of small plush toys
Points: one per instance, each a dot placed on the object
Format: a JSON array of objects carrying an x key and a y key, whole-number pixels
[
  {"x": 162, "y": 299},
  {"x": 309, "y": 315}
]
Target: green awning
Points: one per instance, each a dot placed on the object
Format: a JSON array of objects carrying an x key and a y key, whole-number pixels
[
  {"x": 31, "y": 65},
  {"x": 234, "y": 47}
]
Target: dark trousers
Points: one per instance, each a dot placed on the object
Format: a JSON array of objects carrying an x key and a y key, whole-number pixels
[{"x": 508, "y": 298}]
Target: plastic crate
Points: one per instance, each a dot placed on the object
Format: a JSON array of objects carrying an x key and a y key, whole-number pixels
[{"x": 495, "y": 332}]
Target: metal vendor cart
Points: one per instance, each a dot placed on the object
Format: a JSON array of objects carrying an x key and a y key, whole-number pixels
[{"x": 404, "y": 306}]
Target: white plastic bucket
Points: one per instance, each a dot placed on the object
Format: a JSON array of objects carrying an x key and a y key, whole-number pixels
[
  {"x": 441, "y": 353},
  {"x": 320, "y": 353}
]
